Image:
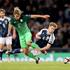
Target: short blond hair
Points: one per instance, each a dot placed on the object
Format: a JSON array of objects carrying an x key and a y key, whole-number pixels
[
  {"x": 17, "y": 11},
  {"x": 53, "y": 24}
]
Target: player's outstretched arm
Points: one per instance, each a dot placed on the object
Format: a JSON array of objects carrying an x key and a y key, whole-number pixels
[
  {"x": 46, "y": 47},
  {"x": 40, "y": 16}
]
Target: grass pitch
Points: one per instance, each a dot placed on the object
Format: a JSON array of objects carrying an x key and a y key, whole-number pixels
[{"x": 33, "y": 66}]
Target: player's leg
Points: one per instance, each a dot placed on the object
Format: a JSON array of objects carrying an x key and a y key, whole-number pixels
[
  {"x": 9, "y": 43},
  {"x": 29, "y": 42},
  {"x": 1, "y": 47},
  {"x": 9, "y": 46},
  {"x": 25, "y": 47},
  {"x": 37, "y": 49},
  {"x": 28, "y": 39}
]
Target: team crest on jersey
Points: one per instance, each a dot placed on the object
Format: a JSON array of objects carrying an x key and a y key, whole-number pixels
[{"x": 21, "y": 20}]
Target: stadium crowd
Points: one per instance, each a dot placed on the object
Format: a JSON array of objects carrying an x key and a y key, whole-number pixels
[{"x": 59, "y": 10}]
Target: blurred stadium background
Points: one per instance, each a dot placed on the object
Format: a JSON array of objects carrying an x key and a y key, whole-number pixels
[{"x": 59, "y": 10}]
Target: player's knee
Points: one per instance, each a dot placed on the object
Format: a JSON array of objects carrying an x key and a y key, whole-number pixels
[{"x": 29, "y": 43}]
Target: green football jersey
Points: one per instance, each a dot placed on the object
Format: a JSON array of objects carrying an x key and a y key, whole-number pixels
[{"x": 21, "y": 24}]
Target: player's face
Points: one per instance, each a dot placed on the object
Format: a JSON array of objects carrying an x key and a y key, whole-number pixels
[
  {"x": 51, "y": 29},
  {"x": 2, "y": 14},
  {"x": 17, "y": 16}
]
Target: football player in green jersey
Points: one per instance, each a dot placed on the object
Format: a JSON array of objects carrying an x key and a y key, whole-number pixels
[{"x": 20, "y": 22}]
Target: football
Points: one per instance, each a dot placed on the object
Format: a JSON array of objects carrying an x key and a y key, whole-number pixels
[{"x": 66, "y": 60}]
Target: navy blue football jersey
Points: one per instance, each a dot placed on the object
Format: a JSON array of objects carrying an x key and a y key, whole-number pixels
[
  {"x": 4, "y": 26},
  {"x": 45, "y": 38}
]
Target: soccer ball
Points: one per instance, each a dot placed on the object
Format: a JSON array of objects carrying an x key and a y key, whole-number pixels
[{"x": 66, "y": 60}]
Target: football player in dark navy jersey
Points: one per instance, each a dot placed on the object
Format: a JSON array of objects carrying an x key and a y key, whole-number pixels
[
  {"x": 3, "y": 27},
  {"x": 5, "y": 35},
  {"x": 45, "y": 38}
]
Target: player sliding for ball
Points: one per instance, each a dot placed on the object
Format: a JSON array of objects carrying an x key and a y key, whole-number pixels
[
  {"x": 20, "y": 21},
  {"x": 45, "y": 38}
]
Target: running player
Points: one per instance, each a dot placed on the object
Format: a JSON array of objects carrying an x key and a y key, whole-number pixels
[
  {"x": 5, "y": 37},
  {"x": 45, "y": 38},
  {"x": 20, "y": 21}
]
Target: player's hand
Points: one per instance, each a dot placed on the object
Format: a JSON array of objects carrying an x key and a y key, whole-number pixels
[
  {"x": 43, "y": 51},
  {"x": 46, "y": 16}
]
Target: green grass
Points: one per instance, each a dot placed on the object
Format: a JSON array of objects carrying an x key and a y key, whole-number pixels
[{"x": 33, "y": 66}]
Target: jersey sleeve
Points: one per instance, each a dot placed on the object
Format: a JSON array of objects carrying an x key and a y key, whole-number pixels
[
  {"x": 40, "y": 32},
  {"x": 51, "y": 39}
]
